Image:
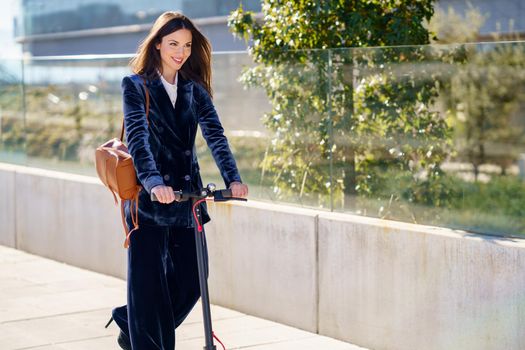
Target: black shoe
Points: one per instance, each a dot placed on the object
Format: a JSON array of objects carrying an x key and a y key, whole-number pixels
[{"x": 122, "y": 340}]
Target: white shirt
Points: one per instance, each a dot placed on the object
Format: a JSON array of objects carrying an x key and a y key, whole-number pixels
[{"x": 171, "y": 89}]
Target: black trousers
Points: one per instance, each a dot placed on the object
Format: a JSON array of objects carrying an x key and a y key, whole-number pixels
[{"x": 162, "y": 286}]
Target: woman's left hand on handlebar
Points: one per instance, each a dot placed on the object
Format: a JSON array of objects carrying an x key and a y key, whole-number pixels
[{"x": 239, "y": 190}]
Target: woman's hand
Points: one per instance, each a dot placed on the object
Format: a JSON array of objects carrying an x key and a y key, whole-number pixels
[
  {"x": 239, "y": 190},
  {"x": 164, "y": 194}
]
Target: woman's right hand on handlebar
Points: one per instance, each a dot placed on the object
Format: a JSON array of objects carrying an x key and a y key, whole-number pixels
[{"x": 163, "y": 193}]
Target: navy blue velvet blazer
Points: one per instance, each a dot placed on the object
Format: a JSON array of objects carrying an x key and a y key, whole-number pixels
[{"x": 164, "y": 152}]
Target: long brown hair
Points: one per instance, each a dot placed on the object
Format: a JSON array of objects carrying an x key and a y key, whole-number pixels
[{"x": 198, "y": 65}]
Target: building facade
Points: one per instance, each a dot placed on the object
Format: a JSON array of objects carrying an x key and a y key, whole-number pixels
[
  {"x": 75, "y": 27},
  {"x": 506, "y": 17}
]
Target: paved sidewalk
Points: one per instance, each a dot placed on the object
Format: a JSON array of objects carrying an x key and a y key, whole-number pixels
[{"x": 47, "y": 305}]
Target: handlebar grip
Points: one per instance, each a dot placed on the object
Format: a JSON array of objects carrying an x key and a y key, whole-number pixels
[
  {"x": 222, "y": 195},
  {"x": 225, "y": 195},
  {"x": 178, "y": 196}
]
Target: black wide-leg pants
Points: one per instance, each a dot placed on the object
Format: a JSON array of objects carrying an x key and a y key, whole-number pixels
[{"x": 162, "y": 286}]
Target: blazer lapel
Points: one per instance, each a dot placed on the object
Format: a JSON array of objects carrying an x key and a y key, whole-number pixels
[
  {"x": 163, "y": 111},
  {"x": 176, "y": 118},
  {"x": 160, "y": 96},
  {"x": 184, "y": 109}
]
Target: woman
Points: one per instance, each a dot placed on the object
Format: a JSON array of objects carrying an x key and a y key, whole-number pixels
[{"x": 172, "y": 66}]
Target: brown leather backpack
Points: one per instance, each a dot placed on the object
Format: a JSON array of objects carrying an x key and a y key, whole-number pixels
[{"x": 116, "y": 171}]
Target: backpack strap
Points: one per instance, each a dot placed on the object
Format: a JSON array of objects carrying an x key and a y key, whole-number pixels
[{"x": 134, "y": 218}]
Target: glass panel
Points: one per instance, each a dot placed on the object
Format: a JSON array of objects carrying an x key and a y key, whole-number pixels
[
  {"x": 12, "y": 137},
  {"x": 296, "y": 163},
  {"x": 72, "y": 106},
  {"x": 433, "y": 135},
  {"x": 240, "y": 110}
]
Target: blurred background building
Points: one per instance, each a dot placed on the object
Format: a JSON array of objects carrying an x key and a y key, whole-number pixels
[
  {"x": 76, "y": 27},
  {"x": 493, "y": 20}
]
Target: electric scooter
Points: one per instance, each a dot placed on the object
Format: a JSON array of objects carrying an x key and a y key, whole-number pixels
[{"x": 212, "y": 194}]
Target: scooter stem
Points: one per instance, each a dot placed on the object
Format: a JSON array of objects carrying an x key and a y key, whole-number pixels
[{"x": 206, "y": 313}]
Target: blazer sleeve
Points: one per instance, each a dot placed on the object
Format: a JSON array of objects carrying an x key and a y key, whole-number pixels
[
  {"x": 213, "y": 133},
  {"x": 137, "y": 135}
]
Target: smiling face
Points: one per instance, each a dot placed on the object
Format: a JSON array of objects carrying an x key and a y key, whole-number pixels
[{"x": 175, "y": 48}]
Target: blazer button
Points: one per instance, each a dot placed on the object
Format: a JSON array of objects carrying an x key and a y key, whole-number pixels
[
  {"x": 187, "y": 152},
  {"x": 161, "y": 129},
  {"x": 166, "y": 177},
  {"x": 187, "y": 178}
]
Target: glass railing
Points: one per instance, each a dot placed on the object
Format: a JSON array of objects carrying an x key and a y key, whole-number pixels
[
  {"x": 436, "y": 135},
  {"x": 429, "y": 134},
  {"x": 12, "y": 121}
]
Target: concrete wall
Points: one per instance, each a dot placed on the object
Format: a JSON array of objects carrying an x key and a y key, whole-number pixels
[
  {"x": 378, "y": 284},
  {"x": 414, "y": 287},
  {"x": 69, "y": 218}
]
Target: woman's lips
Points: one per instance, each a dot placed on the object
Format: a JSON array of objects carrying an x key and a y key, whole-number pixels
[{"x": 178, "y": 61}]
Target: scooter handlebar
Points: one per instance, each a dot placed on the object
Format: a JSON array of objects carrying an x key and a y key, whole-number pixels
[{"x": 217, "y": 195}]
